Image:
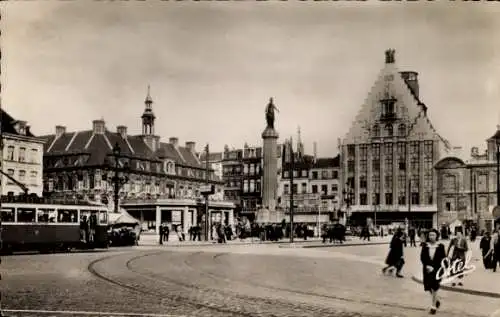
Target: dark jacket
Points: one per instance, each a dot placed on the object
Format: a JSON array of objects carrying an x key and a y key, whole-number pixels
[
  {"x": 436, "y": 260},
  {"x": 396, "y": 251},
  {"x": 484, "y": 245}
]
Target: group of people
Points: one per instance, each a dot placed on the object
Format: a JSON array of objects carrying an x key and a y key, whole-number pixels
[
  {"x": 434, "y": 252},
  {"x": 87, "y": 228},
  {"x": 333, "y": 232},
  {"x": 490, "y": 249}
]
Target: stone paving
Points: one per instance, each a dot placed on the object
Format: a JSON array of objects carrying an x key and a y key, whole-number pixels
[{"x": 239, "y": 280}]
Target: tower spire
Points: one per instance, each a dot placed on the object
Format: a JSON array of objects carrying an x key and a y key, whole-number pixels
[
  {"x": 148, "y": 117},
  {"x": 148, "y": 100}
]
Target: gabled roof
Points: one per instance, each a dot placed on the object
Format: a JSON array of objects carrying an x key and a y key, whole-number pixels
[
  {"x": 97, "y": 146},
  {"x": 327, "y": 162},
  {"x": 409, "y": 108},
  {"x": 8, "y": 124},
  {"x": 179, "y": 154}
]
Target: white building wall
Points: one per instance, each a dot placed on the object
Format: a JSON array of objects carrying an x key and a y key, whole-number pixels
[{"x": 26, "y": 168}]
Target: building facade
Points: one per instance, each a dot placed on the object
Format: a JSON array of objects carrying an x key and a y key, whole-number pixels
[
  {"x": 251, "y": 194},
  {"x": 389, "y": 153},
  {"x": 315, "y": 189},
  {"x": 242, "y": 174},
  {"x": 467, "y": 187},
  {"x": 22, "y": 162},
  {"x": 232, "y": 171},
  {"x": 81, "y": 164}
]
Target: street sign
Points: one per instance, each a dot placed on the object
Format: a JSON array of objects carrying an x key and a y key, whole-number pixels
[{"x": 207, "y": 189}]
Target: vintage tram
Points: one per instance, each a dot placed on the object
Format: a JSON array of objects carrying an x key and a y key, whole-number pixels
[{"x": 52, "y": 227}]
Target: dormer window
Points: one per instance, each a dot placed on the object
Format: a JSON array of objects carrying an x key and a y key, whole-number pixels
[{"x": 388, "y": 108}]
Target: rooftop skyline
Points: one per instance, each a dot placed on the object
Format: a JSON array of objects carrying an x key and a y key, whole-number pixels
[{"x": 213, "y": 66}]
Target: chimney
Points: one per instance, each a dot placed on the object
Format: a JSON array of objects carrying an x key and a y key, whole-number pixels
[
  {"x": 191, "y": 146},
  {"x": 315, "y": 151},
  {"x": 98, "y": 126},
  {"x": 174, "y": 141},
  {"x": 411, "y": 79},
  {"x": 122, "y": 130},
  {"x": 28, "y": 130},
  {"x": 60, "y": 130}
]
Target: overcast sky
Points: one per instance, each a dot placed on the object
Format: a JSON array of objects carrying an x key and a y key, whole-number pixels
[{"x": 213, "y": 66}]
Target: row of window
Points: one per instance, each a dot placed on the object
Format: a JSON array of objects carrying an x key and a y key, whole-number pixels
[
  {"x": 252, "y": 169},
  {"x": 251, "y": 186},
  {"x": 415, "y": 199},
  {"x": 22, "y": 155},
  {"x": 46, "y": 215},
  {"x": 326, "y": 174},
  {"x": 146, "y": 166},
  {"x": 388, "y": 148},
  {"x": 23, "y": 177},
  {"x": 314, "y": 189}
]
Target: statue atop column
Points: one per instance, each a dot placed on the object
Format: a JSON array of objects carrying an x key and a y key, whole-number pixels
[
  {"x": 270, "y": 117},
  {"x": 389, "y": 56}
]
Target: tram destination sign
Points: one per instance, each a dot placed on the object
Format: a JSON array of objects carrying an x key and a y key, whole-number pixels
[{"x": 207, "y": 189}]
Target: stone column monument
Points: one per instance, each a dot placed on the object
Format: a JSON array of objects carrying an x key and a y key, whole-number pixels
[{"x": 270, "y": 168}]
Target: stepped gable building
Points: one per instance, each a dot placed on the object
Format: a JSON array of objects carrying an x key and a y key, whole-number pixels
[
  {"x": 81, "y": 164},
  {"x": 22, "y": 161},
  {"x": 467, "y": 186},
  {"x": 389, "y": 153}
]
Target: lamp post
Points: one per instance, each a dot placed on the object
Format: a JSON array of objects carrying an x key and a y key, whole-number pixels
[
  {"x": 118, "y": 180},
  {"x": 347, "y": 194}
]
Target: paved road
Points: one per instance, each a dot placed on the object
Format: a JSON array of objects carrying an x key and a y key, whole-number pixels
[{"x": 222, "y": 281}]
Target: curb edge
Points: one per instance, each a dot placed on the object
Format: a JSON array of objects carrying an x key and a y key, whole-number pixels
[{"x": 461, "y": 290}]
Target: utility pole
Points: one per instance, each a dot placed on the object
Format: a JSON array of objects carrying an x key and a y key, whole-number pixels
[
  {"x": 207, "y": 178},
  {"x": 292, "y": 167}
]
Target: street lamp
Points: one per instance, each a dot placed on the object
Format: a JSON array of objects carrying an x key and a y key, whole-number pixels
[
  {"x": 348, "y": 197},
  {"x": 118, "y": 180}
]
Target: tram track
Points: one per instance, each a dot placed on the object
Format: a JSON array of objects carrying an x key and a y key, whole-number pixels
[
  {"x": 196, "y": 305},
  {"x": 273, "y": 302},
  {"x": 305, "y": 293},
  {"x": 224, "y": 303},
  {"x": 282, "y": 289}
]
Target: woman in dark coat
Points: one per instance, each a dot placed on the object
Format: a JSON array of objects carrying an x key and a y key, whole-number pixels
[
  {"x": 431, "y": 256},
  {"x": 395, "y": 257}
]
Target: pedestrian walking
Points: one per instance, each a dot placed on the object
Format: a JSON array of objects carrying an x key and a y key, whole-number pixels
[
  {"x": 412, "y": 233},
  {"x": 431, "y": 256},
  {"x": 162, "y": 230},
  {"x": 456, "y": 252},
  {"x": 484, "y": 245},
  {"x": 495, "y": 246},
  {"x": 395, "y": 258}
]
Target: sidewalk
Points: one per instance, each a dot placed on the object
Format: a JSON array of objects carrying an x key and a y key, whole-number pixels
[
  {"x": 153, "y": 240},
  {"x": 479, "y": 282}
]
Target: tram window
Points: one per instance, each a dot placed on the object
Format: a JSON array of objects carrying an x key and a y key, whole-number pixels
[
  {"x": 103, "y": 217},
  {"x": 84, "y": 213},
  {"x": 8, "y": 215},
  {"x": 67, "y": 215},
  {"x": 46, "y": 215},
  {"x": 26, "y": 214}
]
